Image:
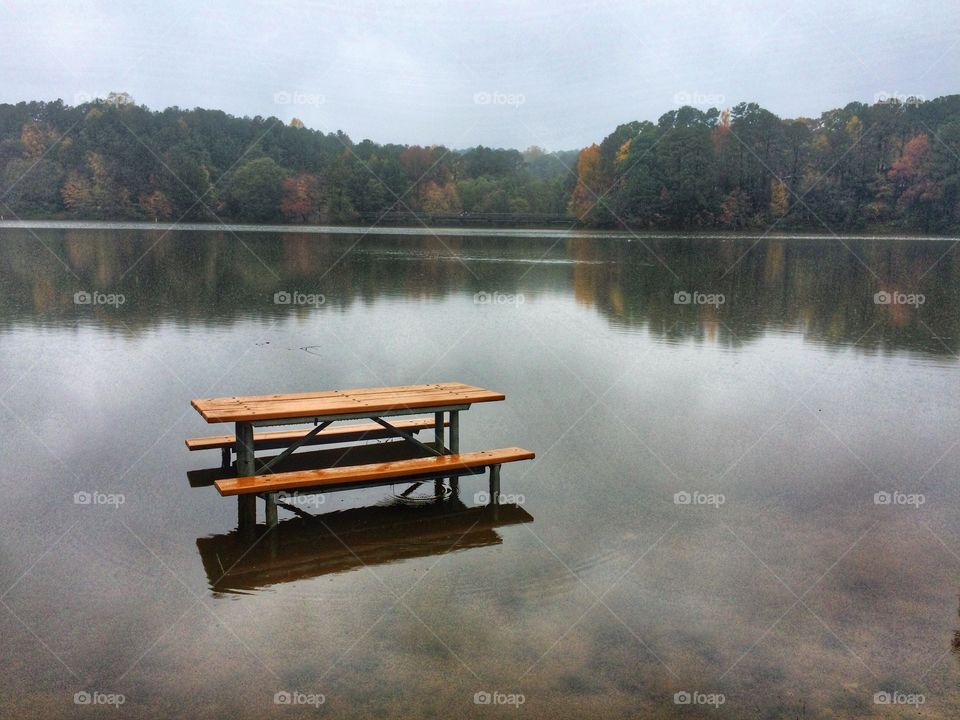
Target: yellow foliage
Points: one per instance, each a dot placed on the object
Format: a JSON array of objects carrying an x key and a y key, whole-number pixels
[
  {"x": 779, "y": 204},
  {"x": 36, "y": 138},
  {"x": 440, "y": 199},
  {"x": 589, "y": 182}
]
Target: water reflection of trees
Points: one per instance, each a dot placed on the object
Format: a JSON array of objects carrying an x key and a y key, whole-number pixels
[{"x": 821, "y": 288}]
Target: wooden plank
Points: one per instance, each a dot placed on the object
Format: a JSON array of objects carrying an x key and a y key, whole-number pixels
[
  {"x": 356, "y": 397},
  {"x": 369, "y": 400},
  {"x": 232, "y": 401},
  {"x": 333, "y": 393},
  {"x": 302, "y": 408},
  {"x": 440, "y": 465},
  {"x": 332, "y": 434},
  {"x": 311, "y": 459},
  {"x": 341, "y": 401}
]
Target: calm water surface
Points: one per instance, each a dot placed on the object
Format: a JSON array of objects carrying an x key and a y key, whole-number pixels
[{"x": 786, "y": 585}]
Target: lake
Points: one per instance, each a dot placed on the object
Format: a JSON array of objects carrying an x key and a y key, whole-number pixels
[{"x": 744, "y": 503}]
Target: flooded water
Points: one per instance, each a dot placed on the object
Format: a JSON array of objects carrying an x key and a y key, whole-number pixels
[{"x": 745, "y": 502}]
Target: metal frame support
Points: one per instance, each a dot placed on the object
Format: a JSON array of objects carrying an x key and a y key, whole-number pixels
[
  {"x": 244, "y": 449},
  {"x": 454, "y": 431},
  {"x": 454, "y": 448},
  {"x": 271, "y": 509},
  {"x": 439, "y": 443},
  {"x": 302, "y": 420},
  {"x": 407, "y": 436},
  {"x": 300, "y": 441},
  {"x": 246, "y": 504},
  {"x": 225, "y": 458},
  {"x": 494, "y": 484},
  {"x": 438, "y": 439},
  {"x": 246, "y": 512}
]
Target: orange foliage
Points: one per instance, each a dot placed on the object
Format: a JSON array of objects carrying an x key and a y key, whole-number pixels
[
  {"x": 910, "y": 172},
  {"x": 416, "y": 162},
  {"x": 300, "y": 196},
  {"x": 589, "y": 182}
]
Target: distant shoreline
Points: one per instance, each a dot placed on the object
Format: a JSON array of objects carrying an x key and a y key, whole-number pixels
[{"x": 526, "y": 232}]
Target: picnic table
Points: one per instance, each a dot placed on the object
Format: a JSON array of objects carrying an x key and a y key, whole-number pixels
[{"x": 443, "y": 401}]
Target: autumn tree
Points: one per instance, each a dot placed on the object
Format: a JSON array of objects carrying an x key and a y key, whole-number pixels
[
  {"x": 441, "y": 199},
  {"x": 915, "y": 189},
  {"x": 300, "y": 198},
  {"x": 36, "y": 138},
  {"x": 779, "y": 202},
  {"x": 589, "y": 182},
  {"x": 94, "y": 188},
  {"x": 156, "y": 205}
]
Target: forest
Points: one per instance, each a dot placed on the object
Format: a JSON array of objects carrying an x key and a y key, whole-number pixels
[{"x": 893, "y": 165}]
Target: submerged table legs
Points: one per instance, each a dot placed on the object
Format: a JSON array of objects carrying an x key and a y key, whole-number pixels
[
  {"x": 246, "y": 504},
  {"x": 455, "y": 448}
]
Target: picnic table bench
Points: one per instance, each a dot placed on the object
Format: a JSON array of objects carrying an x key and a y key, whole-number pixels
[{"x": 442, "y": 459}]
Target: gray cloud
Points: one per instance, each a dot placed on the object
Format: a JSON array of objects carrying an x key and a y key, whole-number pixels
[{"x": 557, "y": 74}]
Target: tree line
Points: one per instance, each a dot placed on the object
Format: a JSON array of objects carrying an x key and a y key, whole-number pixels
[{"x": 894, "y": 164}]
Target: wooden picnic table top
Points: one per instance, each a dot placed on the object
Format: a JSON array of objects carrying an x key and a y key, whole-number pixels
[{"x": 319, "y": 404}]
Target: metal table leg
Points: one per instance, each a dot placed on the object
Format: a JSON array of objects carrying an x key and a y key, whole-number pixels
[
  {"x": 270, "y": 510},
  {"x": 246, "y": 504},
  {"x": 494, "y": 484},
  {"x": 455, "y": 448},
  {"x": 494, "y": 491},
  {"x": 440, "y": 444}
]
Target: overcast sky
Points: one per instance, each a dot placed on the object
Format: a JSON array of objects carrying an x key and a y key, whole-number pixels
[{"x": 556, "y": 73}]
